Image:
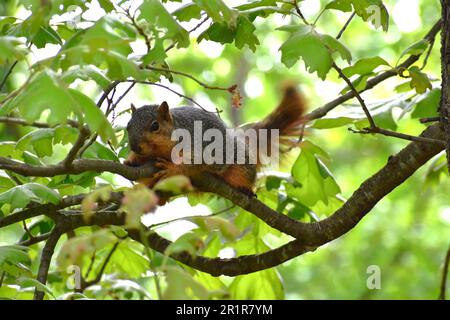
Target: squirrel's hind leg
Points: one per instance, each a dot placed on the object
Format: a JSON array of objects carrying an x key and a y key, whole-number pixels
[{"x": 241, "y": 177}]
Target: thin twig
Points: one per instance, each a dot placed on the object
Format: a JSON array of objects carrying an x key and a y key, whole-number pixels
[
  {"x": 87, "y": 145},
  {"x": 106, "y": 93},
  {"x": 25, "y": 227},
  {"x": 82, "y": 135},
  {"x": 8, "y": 73},
  {"x": 2, "y": 277},
  {"x": 97, "y": 279},
  {"x": 184, "y": 74},
  {"x": 430, "y": 119},
  {"x": 322, "y": 111},
  {"x": 175, "y": 92},
  {"x": 35, "y": 239},
  {"x": 159, "y": 224},
  {"x": 173, "y": 44},
  {"x": 357, "y": 95},
  {"x": 141, "y": 31},
  {"x": 120, "y": 98},
  {"x": 373, "y": 127},
  {"x": 394, "y": 134},
  {"x": 91, "y": 264},
  {"x": 430, "y": 48},
  {"x": 345, "y": 26},
  {"x": 299, "y": 12}
]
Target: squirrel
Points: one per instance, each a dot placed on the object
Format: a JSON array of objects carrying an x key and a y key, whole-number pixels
[{"x": 150, "y": 131}]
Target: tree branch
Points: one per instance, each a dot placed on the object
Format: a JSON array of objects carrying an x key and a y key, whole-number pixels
[
  {"x": 309, "y": 235},
  {"x": 395, "y": 172},
  {"x": 85, "y": 284},
  {"x": 322, "y": 111},
  {"x": 444, "y": 106},
  {"x": 46, "y": 258}
]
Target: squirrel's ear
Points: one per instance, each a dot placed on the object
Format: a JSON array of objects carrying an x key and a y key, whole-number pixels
[
  {"x": 164, "y": 113},
  {"x": 133, "y": 108}
]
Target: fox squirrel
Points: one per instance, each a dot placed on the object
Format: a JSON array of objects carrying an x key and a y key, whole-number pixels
[{"x": 150, "y": 130}]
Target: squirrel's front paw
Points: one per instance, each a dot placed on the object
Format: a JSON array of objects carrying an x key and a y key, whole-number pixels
[
  {"x": 166, "y": 165},
  {"x": 131, "y": 163}
]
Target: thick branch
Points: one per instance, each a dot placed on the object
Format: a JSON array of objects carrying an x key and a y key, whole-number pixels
[
  {"x": 395, "y": 172},
  {"x": 444, "y": 107},
  {"x": 309, "y": 236}
]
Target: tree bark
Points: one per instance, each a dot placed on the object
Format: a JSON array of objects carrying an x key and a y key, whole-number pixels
[{"x": 444, "y": 107}]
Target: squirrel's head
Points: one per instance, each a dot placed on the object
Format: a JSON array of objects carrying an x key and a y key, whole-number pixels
[{"x": 150, "y": 129}]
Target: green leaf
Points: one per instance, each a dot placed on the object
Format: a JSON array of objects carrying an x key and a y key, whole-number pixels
[
  {"x": 218, "y": 11},
  {"x": 188, "y": 242},
  {"x": 428, "y": 106},
  {"x": 154, "y": 13},
  {"x": 416, "y": 48},
  {"x": 30, "y": 282},
  {"x": 403, "y": 87},
  {"x": 245, "y": 34},
  {"x": 359, "y": 83},
  {"x": 40, "y": 139},
  {"x": 298, "y": 212},
  {"x": 93, "y": 116},
  {"x": 373, "y": 11},
  {"x": 108, "y": 33},
  {"x": 45, "y": 91},
  {"x": 86, "y": 73},
  {"x": 385, "y": 120},
  {"x": 46, "y": 35},
  {"x": 5, "y": 184},
  {"x": 336, "y": 46},
  {"x": 65, "y": 134},
  {"x": 157, "y": 54},
  {"x": 13, "y": 254},
  {"x": 341, "y": 5},
  {"x": 273, "y": 183},
  {"x": 11, "y": 49},
  {"x": 328, "y": 123},
  {"x": 364, "y": 66},
  {"x": 128, "y": 259},
  {"x": 99, "y": 151},
  {"x": 259, "y": 285},
  {"x": 6, "y": 21},
  {"x": 175, "y": 185},
  {"x": 181, "y": 285},
  {"x": 419, "y": 80},
  {"x": 106, "y": 5},
  {"x": 307, "y": 44},
  {"x": 188, "y": 12},
  {"x": 21, "y": 196},
  {"x": 315, "y": 180},
  {"x": 218, "y": 32},
  {"x": 74, "y": 250}
]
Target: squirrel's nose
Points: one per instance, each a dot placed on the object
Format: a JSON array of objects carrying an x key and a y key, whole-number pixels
[{"x": 135, "y": 147}]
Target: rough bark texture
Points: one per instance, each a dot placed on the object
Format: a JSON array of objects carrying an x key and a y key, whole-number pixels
[{"x": 444, "y": 107}]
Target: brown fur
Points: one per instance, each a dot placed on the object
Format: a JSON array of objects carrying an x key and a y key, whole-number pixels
[{"x": 157, "y": 145}]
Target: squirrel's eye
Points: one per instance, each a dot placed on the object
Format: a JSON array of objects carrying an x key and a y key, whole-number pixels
[{"x": 154, "y": 126}]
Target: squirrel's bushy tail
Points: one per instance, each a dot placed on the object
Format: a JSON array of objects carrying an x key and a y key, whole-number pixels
[{"x": 288, "y": 118}]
